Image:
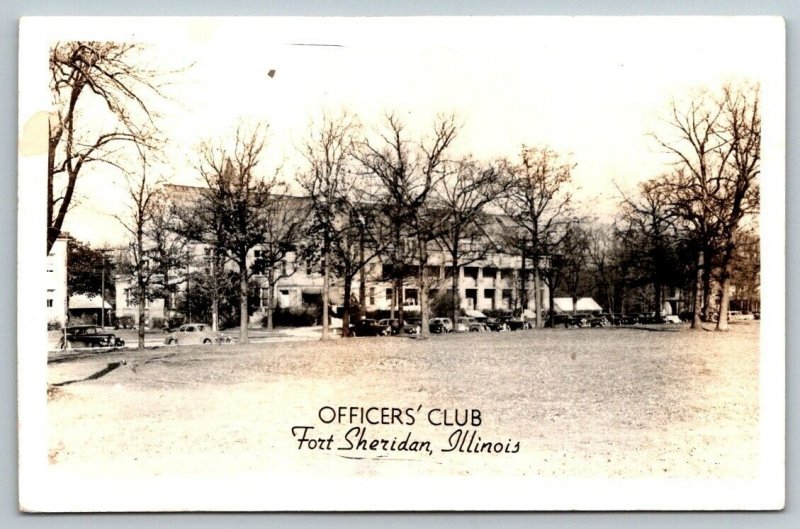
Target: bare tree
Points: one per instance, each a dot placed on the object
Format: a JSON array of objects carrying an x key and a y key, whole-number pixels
[
  {"x": 329, "y": 183},
  {"x": 574, "y": 250},
  {"x": 739, "y": 196},
  {"x": 167, "y": 248},
  {"x": 408, "y": 172},
  {"x": 461, "y": 199},
  {"x": 285, "y": 223},
  {"x": 716, "y": 147},
  {"x": 231, "y": 214},
  {"x": 142, "y": 191},
  {"x": 89, "y": 78},
  {"x": 539, "y": 202},
  {"x": 650, "y": 227},
  {"x": 602, "y": 262}
]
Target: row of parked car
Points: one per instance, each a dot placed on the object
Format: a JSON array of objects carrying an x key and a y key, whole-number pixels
[
  {"x": 391, "y": 326},
  {"x": 89, "y": 336}
]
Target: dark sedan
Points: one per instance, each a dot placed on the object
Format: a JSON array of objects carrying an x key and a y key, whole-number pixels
[
  {"x": 89, "y": 336},
  {"x": 370, "y": 327},
  {"x": 514, "y": 324}
]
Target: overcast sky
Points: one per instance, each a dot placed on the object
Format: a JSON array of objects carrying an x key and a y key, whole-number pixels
[{"x": 588, "y": 87}]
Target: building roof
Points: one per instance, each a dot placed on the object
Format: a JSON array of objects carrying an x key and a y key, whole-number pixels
[
  {"x": 584, "y": 305},
  {"x": 83, "y": 301}
]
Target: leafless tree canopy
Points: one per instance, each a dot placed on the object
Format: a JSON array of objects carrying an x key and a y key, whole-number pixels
[
  {"x": 714, "y": 185},
  {"x": 90, "y": 82},
  {"x": 407, "y": 173},
  {"x": 336, "y": 194},
  {"x": 539, "y": 201},
  {"x": 234, "y": 213},
  {"x": 461, "y": 199}
]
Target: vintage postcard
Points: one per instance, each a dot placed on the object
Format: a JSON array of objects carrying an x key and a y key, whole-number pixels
[{"x": 365, "y": 264}]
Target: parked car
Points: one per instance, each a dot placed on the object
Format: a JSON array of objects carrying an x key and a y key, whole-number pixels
[
  {"x": 514, "y": 324},
  {"x": 370, "y": 327},
  {"x": 652, "y": 318},
  {"x": 496, "y": 325},
  {"x": 466, "y": 324},
  {"x": 412, "y": 326},
  {"x": 569, "y": 320},
  {"x": 392, "y": 323},
  {"x": 195, "y": 333},
  {"x": 735, "y": 315},
  {"x": 628, "y": 319},
  {"x": 89, "y": 336},
  {"x": 599, "y": 320},
  {"x": 441, "y": 325}
]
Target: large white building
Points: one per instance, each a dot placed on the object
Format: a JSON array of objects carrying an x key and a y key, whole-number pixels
[
  {"x": 493, "y": 282},
  {"x": 55, "y": 284}
]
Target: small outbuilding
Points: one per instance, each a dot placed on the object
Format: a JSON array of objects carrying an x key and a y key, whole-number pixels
[{"x": 88, "y": 309}]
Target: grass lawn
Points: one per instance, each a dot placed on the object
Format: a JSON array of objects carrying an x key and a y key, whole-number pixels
[{"x": 615, "y": 402}]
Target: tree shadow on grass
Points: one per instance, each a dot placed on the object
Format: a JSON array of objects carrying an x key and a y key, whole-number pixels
[{"x": 94, "y": 376}]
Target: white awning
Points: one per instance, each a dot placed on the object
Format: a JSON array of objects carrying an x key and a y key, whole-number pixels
[
  {"x": 475, "y": 313},
  {"x": 583, "y": 305}
]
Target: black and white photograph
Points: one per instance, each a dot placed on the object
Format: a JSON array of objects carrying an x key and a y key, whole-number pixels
[{"x": 401, "y": 264}]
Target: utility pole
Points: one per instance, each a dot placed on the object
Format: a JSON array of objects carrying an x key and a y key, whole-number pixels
[
  {"x": 103, "y": 293},
  {"x": 215, "y": 301}
]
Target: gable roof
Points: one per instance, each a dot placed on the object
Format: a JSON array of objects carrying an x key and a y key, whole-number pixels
[{"x": 83, "y": 301}]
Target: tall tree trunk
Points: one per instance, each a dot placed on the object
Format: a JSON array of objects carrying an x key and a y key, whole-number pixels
[
  {"x": 142, "y": 301},
  {"x": 657, "y": 297},
  {"x": 167, "y": 297},
  {"x": 215, "y": 301},
  {"x": 270, "y": 298},
  {"x": 537, "y": 296},
  {"x": 398, "y": 287},
  {"x": 326, "y": 285},
  {"x": 244, "y": 317},
  {"x": 707, "y": 305},
  {"x": 725, "y": 283},
  {"x": 348, "y": 289},
  {"x": 454, "y": 290},
  {"x": 362, "y": 277},
  {"x": 725, "y": 286},
  {"x": 523, "y": 294},
  {"x": 698, "y": 293},
  {"x": 141, "y": 284},
  {"x": 424, "y": 331}
]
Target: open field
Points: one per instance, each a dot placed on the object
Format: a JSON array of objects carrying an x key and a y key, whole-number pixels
[{"x": 612, "y": 402}]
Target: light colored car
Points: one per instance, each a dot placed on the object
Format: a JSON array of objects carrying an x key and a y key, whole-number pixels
[
  {"x": 441, "y": 325},
  {"x": 465, "y": 324},
  {"x": 195, "y": 333},
  {"x": 736, "y": 315}
]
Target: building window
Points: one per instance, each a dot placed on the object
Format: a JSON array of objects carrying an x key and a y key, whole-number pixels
[
  {"x": 49, "y": 303},
  {"x": 284, "y": 268},
  {"x": 372, "y": 295},
  {"x": 263, "y": 294}
]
